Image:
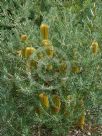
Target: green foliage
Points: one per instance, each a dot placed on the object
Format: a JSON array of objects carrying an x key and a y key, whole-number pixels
[{"x": 73, "y": 26}]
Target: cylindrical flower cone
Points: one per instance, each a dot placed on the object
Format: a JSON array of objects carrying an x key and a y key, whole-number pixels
[
  {"x": 44, "y": 31},
  {"x": 94, "y": 47},
  {"x": 75, "y": 69},
  {"x": 44, "y": 100},
  {"x": 81, "y": 123},
  {"x": 27, "y": 52},
  {"x": 57, "y": 103}
]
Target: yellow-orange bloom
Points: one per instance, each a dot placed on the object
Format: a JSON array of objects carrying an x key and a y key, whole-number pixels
[
  {"x": 95, "y": 47},
  {"x": 44, "y": 100},
  {"x": 57, "y": 103},
  {"x": 26, "y": 52},
  {"x": 75, "y": 69},
  {"x": 81, "y": 123},
  {"x": 44, "y": 31}
]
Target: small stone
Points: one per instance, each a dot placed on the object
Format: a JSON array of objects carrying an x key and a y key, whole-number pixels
[
  {"x": 76, "y": 132},
  {"x": 89, "y": 134}
]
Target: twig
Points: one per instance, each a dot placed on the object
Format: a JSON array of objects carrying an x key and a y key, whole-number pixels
[{"x": 7, "y": 26}]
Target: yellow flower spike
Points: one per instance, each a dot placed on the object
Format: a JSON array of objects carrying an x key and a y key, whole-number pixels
[
  {"x": 44, "y": 31},
  {"x": 95, "y": 47},
  {"x": 81, "y": 123},
  {"x": 75, "y": 69},
  {"x": 57, "y": 102},
  {"x": 27, "y": 52},
  {"x": 44, "y": 100},
  {"x": 24, "y": 37}
]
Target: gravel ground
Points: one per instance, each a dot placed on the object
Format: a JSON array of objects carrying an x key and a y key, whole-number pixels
[{"x": 88, "y": 131}]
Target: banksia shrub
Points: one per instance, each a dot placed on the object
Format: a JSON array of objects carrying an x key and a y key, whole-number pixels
[{"x": 50, "y": 66}]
